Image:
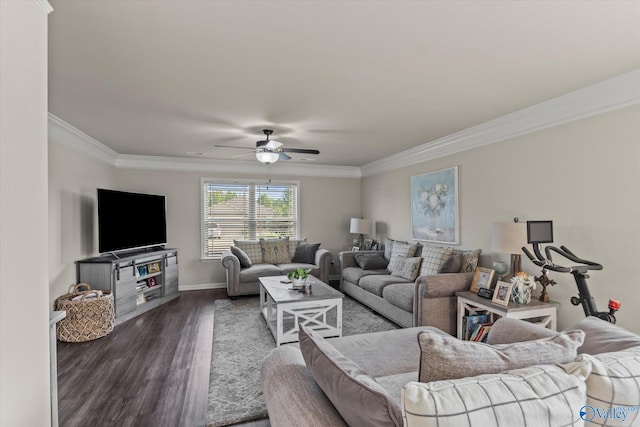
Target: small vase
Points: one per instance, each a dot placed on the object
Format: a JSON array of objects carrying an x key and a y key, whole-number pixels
[{"x": 522, "y": 295}]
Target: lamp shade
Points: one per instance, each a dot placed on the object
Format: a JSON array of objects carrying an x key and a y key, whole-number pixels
[
  {"x": 267, "y": 156},
  {"x": 360, "y": 226},
  {"x": 508, "y": 237}
]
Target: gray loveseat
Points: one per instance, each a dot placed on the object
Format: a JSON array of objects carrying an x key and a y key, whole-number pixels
[
  {"x": 249, "y": 260},
  {"x": 404, "y": 272},
  {"x": 373, "y": 379}
]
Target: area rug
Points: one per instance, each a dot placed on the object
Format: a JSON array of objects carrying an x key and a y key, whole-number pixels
[{"x": 241, "y": 340}]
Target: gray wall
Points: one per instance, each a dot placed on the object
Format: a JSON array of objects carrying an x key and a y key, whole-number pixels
[
  {"x": 24, "y": 290},
  {"x": 585, "y": 176}
]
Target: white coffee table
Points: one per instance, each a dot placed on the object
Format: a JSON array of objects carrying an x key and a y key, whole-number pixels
[{"x": 285, "y": 309}]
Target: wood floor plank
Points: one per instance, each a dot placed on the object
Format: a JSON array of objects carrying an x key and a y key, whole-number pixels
[{"x": 152, "y": 370}]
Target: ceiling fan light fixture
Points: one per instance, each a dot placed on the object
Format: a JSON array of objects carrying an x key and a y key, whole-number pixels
[{"x": 267, "y": 157}]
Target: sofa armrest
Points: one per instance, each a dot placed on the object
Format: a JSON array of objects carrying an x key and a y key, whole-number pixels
[
  {"x": 292, "y": 395},
  {"x": 232, "y": 266},
  {"x": 435, "y": 302},
  {"x": 323, "y": 260}
]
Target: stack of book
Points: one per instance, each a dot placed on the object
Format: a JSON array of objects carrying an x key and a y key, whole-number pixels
[{"x": 476, "y": 327}]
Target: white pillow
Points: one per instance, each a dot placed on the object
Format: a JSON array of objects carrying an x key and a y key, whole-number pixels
[{"x": 543, "y": 395}]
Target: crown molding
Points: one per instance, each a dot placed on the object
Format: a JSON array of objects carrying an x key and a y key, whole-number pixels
[
  {"x": 44, "y": 4},
  {"x": 127, "y": 161},
  {"x": 62, "y": 132},
  {"x": 608, "y": 95}
]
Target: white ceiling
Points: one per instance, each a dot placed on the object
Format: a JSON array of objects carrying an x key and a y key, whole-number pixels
[{"x": 358, "y": 80}]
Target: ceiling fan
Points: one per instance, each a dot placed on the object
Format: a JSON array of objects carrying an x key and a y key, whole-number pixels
[{"x": 269, "y": 151}]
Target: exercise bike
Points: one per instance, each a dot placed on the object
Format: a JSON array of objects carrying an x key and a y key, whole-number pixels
[{"x": 542, "y": 232}]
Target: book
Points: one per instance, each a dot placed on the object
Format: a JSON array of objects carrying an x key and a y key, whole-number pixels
[{"x": 471, "y": 323}]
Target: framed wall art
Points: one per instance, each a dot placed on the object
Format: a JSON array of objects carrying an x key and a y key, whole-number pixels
[{"x": 434, "y": 206}]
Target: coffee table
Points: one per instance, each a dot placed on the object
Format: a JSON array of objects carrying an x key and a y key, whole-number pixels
[{"x": 285, "y": 309}]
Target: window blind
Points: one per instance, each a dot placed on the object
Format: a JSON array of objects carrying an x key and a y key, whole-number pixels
[{"x": 246, "y": 211}]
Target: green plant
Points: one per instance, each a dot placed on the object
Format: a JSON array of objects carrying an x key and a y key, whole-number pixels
[{"x": 298, "y": 273}]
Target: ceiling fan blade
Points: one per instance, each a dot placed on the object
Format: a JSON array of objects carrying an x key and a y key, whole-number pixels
[
  {"x": 284, "y": 156},
  {"x": 233, "y": 146},
  {"x": 243, "y": 154},
  {"x": 299, "y": 150}
]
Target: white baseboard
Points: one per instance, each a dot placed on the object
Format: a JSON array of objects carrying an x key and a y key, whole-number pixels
[{"x": 183, "y": 288}]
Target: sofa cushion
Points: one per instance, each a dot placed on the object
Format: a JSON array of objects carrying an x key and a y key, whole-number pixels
[
  {"x": 376, "y": 283},
  {"x": 444, "y": 358},
  {"x": 400, "y": 295},
  {"x": 604, "y": 337},
  {"x": 305, "y": 253},
  {"x": 354, "y": 274},
  {"x": 543, "y": 395},
  {"x": 434, "y": 259},
  {"x": 400, "y": 249},
  {"x": 251, "y": 248},
  {"x": 408, "y": 268},
  {"x": 252, "y": 273},
  {"x": 275, "y": 251},
  {"x": 357, "y": 396},
  {"x": 507, "y": 331},
  {"x": 469, "y": 260},
  {"x": 370, "y": 261},
  {"x": 243, "y": 258},
  {"x": 614, "y": 383}
]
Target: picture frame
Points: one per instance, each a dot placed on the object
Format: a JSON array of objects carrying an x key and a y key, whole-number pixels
[
  {"x": 367, "y": 244},
  {"x": 355, "y": 249},
  {"x": 502, "y": 294},
  {"x": 483, "y": 278},
  {"x": 434, "y": 206}
]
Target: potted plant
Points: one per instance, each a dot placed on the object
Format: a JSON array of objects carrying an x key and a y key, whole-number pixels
[{"x": 298, "y": 276}]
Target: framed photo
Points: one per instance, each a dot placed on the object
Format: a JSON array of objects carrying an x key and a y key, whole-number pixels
[
  {"x": 483, "y": 278},
  {"x": 355, "y": 249},
  {"x": 434, "y": 206},
  {"x": 502, "y": 294},
  {"x": 367, "y": 244}
]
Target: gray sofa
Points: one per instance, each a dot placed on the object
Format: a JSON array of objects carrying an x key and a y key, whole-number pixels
[
  {"x": 301, "y": 388},
  {"x": 395, "y": 297},
  {"x": 243, "y": 280}
]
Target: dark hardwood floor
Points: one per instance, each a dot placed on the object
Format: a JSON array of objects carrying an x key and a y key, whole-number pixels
[{"x": 150, "y": 371}]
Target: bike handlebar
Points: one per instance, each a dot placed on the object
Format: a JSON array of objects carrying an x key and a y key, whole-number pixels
[{"x": 547, "y": 262}]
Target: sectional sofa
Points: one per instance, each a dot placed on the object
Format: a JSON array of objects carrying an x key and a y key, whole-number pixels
[
  {"x": 391, "y": 281},
  {"x": 524, "y": 375}
]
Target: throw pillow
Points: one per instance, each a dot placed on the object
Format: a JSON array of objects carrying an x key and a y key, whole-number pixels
[
  {"x": 245, "y": 261},
  {"x": 359, "y": 399},
  {"x": 408, "y": 267},
  {"x": 400, "y": 249},
  {"x": 507, "y": 331},
  {"x": 604, "y": 337},
  {"x": 454, "y": 265},
  {"x": 544, "y": 395},
  {"x": 370, "y": 261},
  {"x": 306, "y": 253},
  {"x": 275, "y": 251},
  {"x": 293, "y": 244},
  {"x": 388, "y": 246},
  {"x": 445, "y": 358},
  {"x": 434, "y": 259},
  {"x": 251, "y": 248},
  {"x": 469, "y": 260},
  {"x": 613, "y": 388}
]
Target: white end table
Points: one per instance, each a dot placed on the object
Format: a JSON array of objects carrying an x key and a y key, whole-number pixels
[{"x": 470, "y": 303}]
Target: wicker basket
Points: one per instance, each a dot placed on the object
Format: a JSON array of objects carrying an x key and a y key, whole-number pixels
[{"x": 87, "y": 318}]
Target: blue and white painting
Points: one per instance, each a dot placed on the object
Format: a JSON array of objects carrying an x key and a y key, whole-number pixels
[{"x": 434, "y": 206}]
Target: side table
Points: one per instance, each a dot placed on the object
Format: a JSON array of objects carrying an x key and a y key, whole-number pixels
[{"x": 470, "y": 303}]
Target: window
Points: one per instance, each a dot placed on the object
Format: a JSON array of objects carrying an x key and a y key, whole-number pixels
[{"x": 246, "y": 211}]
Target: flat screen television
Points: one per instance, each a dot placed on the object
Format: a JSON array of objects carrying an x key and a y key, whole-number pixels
[{"x": 128, "y": 221}]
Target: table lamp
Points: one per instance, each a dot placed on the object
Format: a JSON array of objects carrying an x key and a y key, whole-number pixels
[
  {"x": 509, "y": 238},
  {"x": 360, "y": 226}
]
